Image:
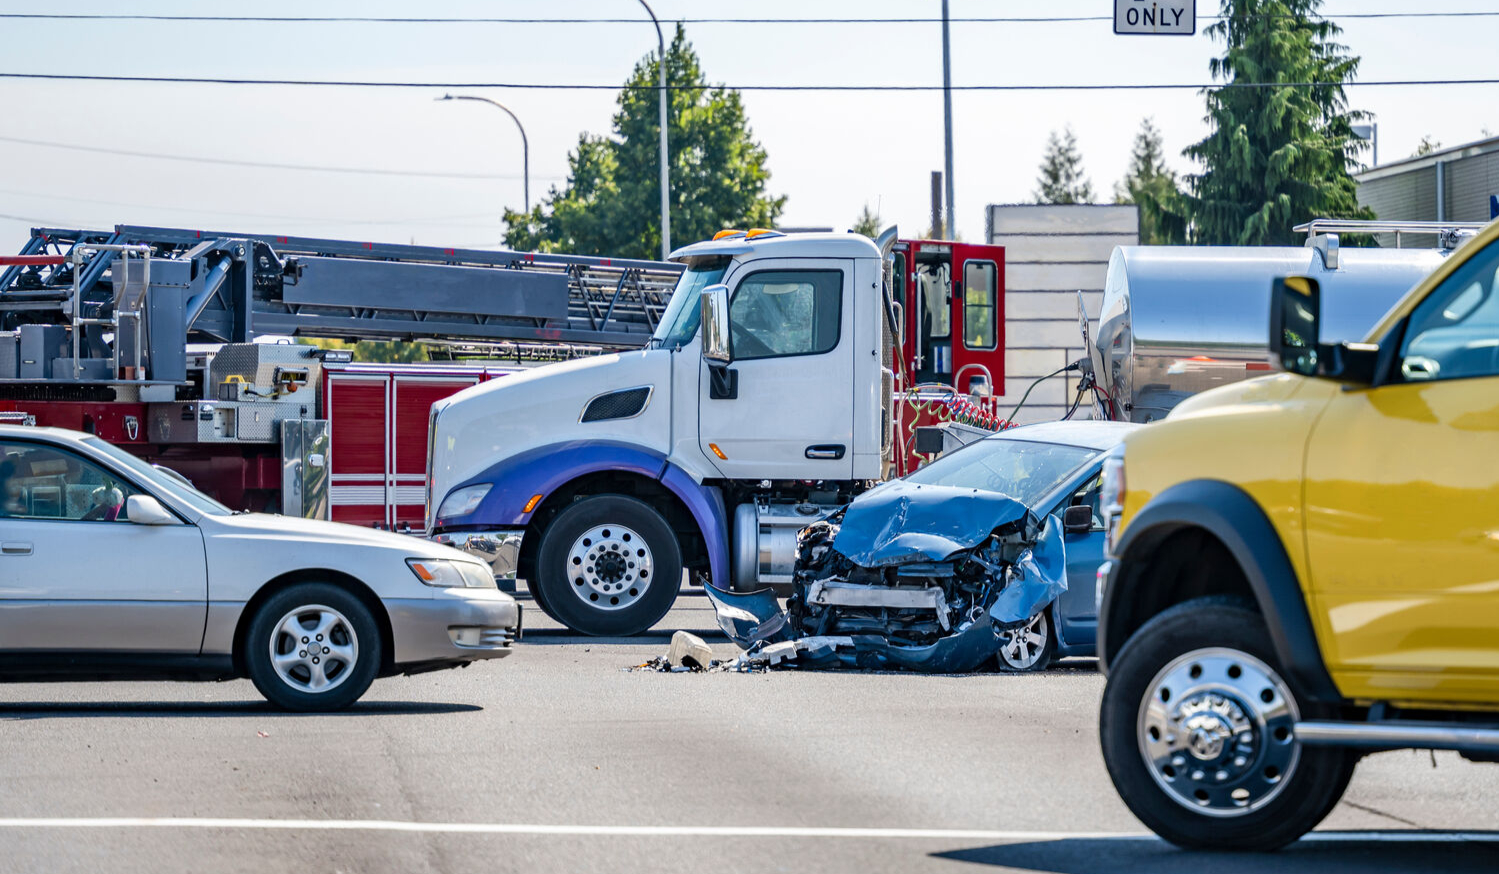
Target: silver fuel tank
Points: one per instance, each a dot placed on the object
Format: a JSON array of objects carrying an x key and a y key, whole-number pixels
[{"x": 1177, "y": 320}]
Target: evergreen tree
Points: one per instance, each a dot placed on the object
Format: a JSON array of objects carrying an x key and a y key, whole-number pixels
[
  {"x": 1275, "y": 157},
  {"x": 1062, "y": 179},
  {"x": 1151, "y": 185},
  {"x": 868, "y": 223},
  {"x": 611, "y": 204}
]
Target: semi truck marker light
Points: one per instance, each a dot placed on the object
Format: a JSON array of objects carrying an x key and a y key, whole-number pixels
[
  {"x": 531, "y": 504},
  {"x": 718, "y": 452}
]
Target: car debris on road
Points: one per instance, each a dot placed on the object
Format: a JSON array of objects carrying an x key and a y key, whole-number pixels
[{"x": 907, "y": 577}]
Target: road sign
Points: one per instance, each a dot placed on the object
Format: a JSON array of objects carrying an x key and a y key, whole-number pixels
[{"x": 1158, "y": 17}]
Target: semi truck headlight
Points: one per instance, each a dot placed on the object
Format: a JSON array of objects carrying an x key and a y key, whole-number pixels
[
  {"x": 444, "y": 574},
  {"x": 464, "y": 501}
]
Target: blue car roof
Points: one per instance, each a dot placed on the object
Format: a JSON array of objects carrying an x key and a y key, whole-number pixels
[{"x": 1086, "y": 433}]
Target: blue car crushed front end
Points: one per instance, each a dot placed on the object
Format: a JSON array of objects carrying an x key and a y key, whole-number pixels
[{"x": 914, "y": 577}]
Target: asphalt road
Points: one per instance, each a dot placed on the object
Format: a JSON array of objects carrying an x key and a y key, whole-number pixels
[{"x": 557, "y": 760}]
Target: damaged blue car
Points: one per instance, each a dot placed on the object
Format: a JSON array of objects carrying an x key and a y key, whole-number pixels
[{"x": 961, "y": 562}]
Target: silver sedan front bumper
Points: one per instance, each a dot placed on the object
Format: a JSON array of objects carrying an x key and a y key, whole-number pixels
[
  {"x": 498, "y": 549},
  {"x": 454, "y": 625}
]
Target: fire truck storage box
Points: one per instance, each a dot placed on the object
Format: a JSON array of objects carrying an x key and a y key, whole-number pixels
[
  {"x": 217, "y": 422},
  {"x": 256, "y": 366},
  {"x": 88, "y": 368},
  {"x": 40, "y": 344},
  {"x": 9, "y": 355}
]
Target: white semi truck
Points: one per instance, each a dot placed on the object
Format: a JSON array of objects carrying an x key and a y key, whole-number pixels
[{"x": 599, "y": 481}]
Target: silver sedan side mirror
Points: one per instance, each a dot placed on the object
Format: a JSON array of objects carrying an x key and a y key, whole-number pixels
[
  {"x": 146, "y": 510},
  {"x": 715, "y": 311}
]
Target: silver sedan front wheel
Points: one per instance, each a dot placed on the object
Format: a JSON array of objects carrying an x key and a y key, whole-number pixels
[{"x": 314, "y": 649}]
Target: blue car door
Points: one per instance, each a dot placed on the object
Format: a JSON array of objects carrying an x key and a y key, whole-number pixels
[{"x": 1079, "y": 615}]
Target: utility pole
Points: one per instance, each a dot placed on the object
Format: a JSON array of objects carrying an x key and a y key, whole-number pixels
[
  {"x": 665, "y": 178},
  {"x": 951, "y": 231},
  {"x": 937, "y": 205}
]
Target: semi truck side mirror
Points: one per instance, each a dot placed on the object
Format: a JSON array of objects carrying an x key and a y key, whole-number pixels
[
  {"x": 715, "y": 311},
  {"x": 1296, "y": 336},
  {"x": 1295, "y": 312}
]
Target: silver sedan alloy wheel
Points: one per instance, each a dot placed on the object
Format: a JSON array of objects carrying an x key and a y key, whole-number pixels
[
  {"x": 1216, "y": 730},
  {"x": 1020, "y": 648},
  {"x": 314, "y": 648},
  {"x": 610, "y": 567}
]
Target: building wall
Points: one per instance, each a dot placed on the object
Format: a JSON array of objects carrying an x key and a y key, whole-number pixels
[
  {"x": 1052, "y": 253},
  {"x": 1407, "y": 190}
]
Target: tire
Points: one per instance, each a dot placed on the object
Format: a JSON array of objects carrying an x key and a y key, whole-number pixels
[
  {"x": 352, "y": 648},
  {"x": 608, "y": 566},
  {"x": 1029, "y": 648},
  {"x": 1210, "y": 663}
]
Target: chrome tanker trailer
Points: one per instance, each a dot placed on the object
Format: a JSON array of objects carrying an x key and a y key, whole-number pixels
[{"x": 1177, "y": 320}]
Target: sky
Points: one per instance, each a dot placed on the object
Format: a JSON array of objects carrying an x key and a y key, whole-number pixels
[{"x": 829, "y": 153}]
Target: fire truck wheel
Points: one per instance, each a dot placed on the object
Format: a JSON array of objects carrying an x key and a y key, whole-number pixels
[
  {"x": 313, "y": 647},
  {"x": 609, "y": 566}
]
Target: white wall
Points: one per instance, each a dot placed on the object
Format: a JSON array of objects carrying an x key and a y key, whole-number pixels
[{"x": 1051, "y": 253}]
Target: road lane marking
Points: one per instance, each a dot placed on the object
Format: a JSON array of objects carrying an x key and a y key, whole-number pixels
[{"x": 732, "y": 831}]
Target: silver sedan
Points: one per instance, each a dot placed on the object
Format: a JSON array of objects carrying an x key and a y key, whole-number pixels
[{"x": 113, "y": 569}]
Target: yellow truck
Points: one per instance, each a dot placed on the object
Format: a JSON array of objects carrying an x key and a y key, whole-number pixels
[{"x": 1304, "y": 567}]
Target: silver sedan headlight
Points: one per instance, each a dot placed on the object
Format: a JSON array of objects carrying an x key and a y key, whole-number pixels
[{"x": 444, "y": 573}]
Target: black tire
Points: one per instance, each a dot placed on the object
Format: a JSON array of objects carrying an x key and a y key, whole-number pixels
[
  {"x": 1289, "y": 803},
  {"x": 534, "y": 587},
  {"x": 594, "y": 600},
  {"x": 1048, "y": 649},
  {"x": 347, "y": 682}
]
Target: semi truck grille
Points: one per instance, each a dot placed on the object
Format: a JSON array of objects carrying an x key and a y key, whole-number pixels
[{"x": 617, "y": 404}]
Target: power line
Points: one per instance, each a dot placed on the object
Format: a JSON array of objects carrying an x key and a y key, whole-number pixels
[
  {"x": 438, "y": 221},
  {"x": 196, "y": 159},
  {"x": 551, "y": 86},
  {"x": 1008, "y": 19}
]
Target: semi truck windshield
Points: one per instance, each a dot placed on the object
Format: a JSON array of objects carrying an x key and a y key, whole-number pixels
[{"x": 679, "y": 322}]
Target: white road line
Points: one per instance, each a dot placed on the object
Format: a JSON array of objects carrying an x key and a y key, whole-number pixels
[{"x": 731, "y": 831}]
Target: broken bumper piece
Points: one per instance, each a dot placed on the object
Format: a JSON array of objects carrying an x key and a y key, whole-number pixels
[{"x": 920, "y": 578}]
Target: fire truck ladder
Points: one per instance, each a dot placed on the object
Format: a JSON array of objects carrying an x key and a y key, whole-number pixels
[{"x": 227, "y": 287}]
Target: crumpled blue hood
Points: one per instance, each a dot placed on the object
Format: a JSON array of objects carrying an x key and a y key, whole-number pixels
[{"x": 902, "y": 522}]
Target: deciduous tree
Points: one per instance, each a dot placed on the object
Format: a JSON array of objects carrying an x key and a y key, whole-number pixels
[{"x": 611, "y": 204}]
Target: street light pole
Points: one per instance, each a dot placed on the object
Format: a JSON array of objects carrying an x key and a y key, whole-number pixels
[
  {"x": 952, "y": 220},
  {"x": 525, "y": 146},
  {"x": 665, "y": 178}
]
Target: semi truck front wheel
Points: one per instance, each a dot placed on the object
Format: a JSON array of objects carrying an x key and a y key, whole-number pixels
[{"x": 609, "y": 565}]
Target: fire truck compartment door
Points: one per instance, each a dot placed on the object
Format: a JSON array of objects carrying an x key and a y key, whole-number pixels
[{"x": 791, "y": 330}]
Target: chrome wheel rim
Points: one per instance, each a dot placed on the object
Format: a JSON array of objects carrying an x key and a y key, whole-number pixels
[
  {"x": 314, "y": 649},
  {"x": 610, "y": 567},
  {"x": 1216, "y": 730},
  {"x": 1021, "y": 648}
]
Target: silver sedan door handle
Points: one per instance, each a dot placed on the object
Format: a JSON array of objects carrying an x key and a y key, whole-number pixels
[{"x": 15, "y": 547}]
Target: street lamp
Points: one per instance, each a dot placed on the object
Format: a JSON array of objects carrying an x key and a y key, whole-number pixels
[
  {"x": 525, "y": 146},
  {"x": 665, "y": 179}
]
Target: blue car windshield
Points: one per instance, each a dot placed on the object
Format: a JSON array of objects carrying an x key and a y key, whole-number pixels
[
  {"x": 1022, "y": 469},
  {"x": 679, "y": 323}
]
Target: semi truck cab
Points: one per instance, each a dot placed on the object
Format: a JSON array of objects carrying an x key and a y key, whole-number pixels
[{"x": 600, "y": 481}]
